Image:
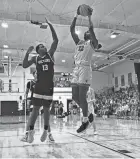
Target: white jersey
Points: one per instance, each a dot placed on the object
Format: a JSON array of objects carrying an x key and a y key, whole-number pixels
[{"x": 83, "y": 53}]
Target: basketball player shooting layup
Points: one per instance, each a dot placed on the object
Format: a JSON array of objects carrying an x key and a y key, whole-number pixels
[
  {"x": 43, "y": 91},
  {"x": 82, "y": 72}
]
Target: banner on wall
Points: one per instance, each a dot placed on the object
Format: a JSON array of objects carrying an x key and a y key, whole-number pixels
[
  {"x": 116, "y": 82},
  {"x": 129, "y": 79},
  {"x": 122, "y": 80}
]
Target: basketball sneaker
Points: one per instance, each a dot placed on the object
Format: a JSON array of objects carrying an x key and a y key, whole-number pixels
[
  {"x": 50, "y": 137},
  {"x": 30, "y": 138},
  {"x": 24, "y": 138},
  {"x": 43, "y": 136},
  {"x": 83, "y": 127}
]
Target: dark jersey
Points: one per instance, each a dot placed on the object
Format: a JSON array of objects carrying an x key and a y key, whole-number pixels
[
  {"x": 30, "y": 86},
  {"x": 45, "y": 70}
]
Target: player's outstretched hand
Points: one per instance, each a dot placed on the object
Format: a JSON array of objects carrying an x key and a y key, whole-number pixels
[
  {"x": 30, "y": 49},
  {"x": 90, "y": 10}
]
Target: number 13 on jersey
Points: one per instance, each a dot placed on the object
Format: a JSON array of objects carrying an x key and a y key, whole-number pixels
[{"x": 45, "y": 67}]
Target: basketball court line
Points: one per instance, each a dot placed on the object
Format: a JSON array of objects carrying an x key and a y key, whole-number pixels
[
  {"x": 115, "y": 138},
  {"x": 40, "y": 144},
  {"x": 120, "y": 129},
  {"x": 101, "y": 145}
]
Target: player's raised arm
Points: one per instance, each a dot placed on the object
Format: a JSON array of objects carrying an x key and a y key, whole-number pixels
[
  {"x": 94, "y": 41},
  {"x": 55, "y": 39},
  {"x": 72, "y": 28},
  {"x": 27, "y": 63}
]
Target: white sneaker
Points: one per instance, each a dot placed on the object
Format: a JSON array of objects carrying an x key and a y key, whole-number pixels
[
  {"x": 43, "y": 136},
  {"x": 50, "y": 137},
  {"x": 24, "y": 138},
  {"x": 31, "y": 136},
  {"x": 95, "y": 133}
]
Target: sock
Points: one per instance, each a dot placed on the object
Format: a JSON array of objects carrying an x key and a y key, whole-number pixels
[
  {"x": 31, "y": 127},
  {"x": 85, "y": 119},
  {"x": 45, "y": 127}
]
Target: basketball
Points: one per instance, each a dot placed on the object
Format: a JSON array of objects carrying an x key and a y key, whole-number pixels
[{"x": 84, "y": 10}]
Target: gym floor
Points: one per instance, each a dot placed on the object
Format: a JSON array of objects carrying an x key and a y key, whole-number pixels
[{"x": 117, "y": 138}]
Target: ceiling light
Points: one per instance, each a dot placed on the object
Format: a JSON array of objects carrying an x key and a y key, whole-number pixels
[
  {"x": 63, "y": 60},
  {"x": 4, "y": 25},
  {"x": 113, "y": 36},
  {"x": 5, "y": 46},
  {"x": 6, "y": 57},
  {"x": 77, "y": 32}
]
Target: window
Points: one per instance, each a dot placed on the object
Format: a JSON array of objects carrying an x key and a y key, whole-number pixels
[
  {"x": 122, "y": 80},
  {"x": 129, "y": 79},
  {"x": 116, "y": 81}
]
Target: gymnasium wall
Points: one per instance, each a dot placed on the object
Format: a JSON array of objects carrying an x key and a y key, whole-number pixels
[
  {"x": 107, "y": 77},
  {"x": 101, "y": 80},
  {"x": 124, "y": 68}
]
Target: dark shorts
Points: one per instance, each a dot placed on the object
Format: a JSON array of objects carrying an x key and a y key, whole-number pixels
[{"x": 43, "y": 95}]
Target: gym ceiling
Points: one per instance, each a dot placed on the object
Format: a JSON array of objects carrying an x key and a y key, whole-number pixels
[{"x": 116, "y": 23}]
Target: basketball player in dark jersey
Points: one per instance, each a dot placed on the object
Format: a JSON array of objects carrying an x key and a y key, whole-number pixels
[
  {"x": 43, "y": 91},
  {"x": 81, "y": 76}
]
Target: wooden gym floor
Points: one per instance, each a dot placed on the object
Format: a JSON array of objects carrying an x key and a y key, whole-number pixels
[{"x": 116, "y": 139}]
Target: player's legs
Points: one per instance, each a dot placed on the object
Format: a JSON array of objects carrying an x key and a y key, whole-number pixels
[
  {"x": 92, "y": 116},
  {"x": 46, "y": 108},
  {"x": 47, "y": 100},
  {"x": 75, "y": 93},
  {"x": 37, "y": 103},
  {"x": 83, "y": 99},
  {"x": 29, "y": 135},
  {"x": 84, "y": 106},
  {"x": 84, "y": 83},
  {"x": 50, "y": 137},
  {"x": 75, "y": 86}
]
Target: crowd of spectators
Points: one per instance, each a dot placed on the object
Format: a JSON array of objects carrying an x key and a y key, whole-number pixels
[{"x": 123, "y": 103}]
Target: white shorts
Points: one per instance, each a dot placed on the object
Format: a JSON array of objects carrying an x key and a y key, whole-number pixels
[{"x": 82, "y": 75}]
